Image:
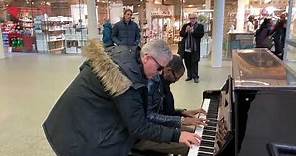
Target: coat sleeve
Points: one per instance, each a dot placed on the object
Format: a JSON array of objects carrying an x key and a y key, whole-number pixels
[
  {"x": 115, "y": 34},
  {"x": 199, "y": 31},
  {"x": 166, "y": 120},
  {"x": 155, "y": 102},
  {"x": 131, "y": 109},
  {"x": 183, "y": 32}
]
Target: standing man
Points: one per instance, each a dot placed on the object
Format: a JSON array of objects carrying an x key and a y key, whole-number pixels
[
  {"x": 279, "y": 36},
  {"x": 192, "y": 33},
  {"x": 103, "y": 110},
  {"x": 126, "y": 32}
]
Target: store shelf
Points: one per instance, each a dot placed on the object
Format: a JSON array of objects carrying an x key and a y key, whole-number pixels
[
  {"x": 56, "y": 30},
  {"x": 56, "y": 40},
  {"x": 57, "y": 49}
]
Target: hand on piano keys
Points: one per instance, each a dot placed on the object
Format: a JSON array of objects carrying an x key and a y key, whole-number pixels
[
  {"x": 189, "y": 139},
  {"x": 208, "y": 133},
  {"x": 188, "y": 121},
  {"x": 193, "y": 113}
]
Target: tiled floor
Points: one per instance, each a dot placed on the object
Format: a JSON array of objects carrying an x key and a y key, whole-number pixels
[{"x": 30, "y": 84}]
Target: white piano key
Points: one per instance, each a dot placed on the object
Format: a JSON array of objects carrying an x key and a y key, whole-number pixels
[{"x": 199, "y": 129}]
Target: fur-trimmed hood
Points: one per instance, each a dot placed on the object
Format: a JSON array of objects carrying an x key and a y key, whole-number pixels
[{"x": 113, "y": 80}]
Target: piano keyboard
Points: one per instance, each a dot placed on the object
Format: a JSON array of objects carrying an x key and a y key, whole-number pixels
[{"x": 208, "y": 133}]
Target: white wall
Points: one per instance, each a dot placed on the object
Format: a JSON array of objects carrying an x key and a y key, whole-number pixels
[
  {"x": 76, "y": 10},
  {"x": 116, "y": 12}
]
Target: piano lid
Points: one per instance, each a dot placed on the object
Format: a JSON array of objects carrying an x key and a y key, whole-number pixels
[{"x": 259, "y": 69}]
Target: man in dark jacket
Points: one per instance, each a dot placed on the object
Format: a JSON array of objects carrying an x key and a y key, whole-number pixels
[
  {"x": 192, "y": 33},
  {"x": 161, "y": 109},
  {"x": 102, "y": 112},
  {"x": 126, "y": 32}
]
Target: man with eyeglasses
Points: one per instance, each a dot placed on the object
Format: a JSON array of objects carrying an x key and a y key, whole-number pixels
[
  {"x": 103, "y": 111},
  {"x": 192, "y": 33},
  {"x": 126, "y": 32},
  {"x": 161, "y": 109}
]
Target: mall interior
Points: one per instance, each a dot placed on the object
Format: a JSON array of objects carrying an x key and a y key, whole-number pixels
[{"x": 42, "y": 42}]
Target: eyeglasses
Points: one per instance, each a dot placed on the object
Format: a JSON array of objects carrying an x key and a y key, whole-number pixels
[
  {"x": 192, "y": 18},
  {"x": 160, "y": 67}
]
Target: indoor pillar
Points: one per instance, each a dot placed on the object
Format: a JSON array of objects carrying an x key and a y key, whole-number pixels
[
  {"x": 1, "y": 46},
  {"x": 92, "y": 20},
  {"x": 218, "y": 24},
  {"x": 240, "y": 14}
]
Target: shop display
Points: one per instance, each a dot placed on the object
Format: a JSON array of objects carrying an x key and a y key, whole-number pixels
[
  {"x": 75, "y": 39},
  {"x": 160, "y": 22},
  {"x": 18, "y": 37},
  {"x": 50, "y": 33}
]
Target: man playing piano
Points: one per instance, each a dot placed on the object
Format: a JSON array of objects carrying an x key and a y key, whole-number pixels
[{"x": 161, "y": 109}]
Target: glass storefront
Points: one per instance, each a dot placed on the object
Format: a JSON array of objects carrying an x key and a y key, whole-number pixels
[
  {"x": 44, "y": 26},
  {"x": 60, "y": 26}
]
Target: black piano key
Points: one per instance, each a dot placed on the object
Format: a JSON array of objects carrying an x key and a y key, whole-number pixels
[
  {"x": 212, "y": 120},
  {"x": 204, "y": 154},
  {"x": 214, "y": 110},
  {"x": 207, "y": 138},
  {"x": 210, "y": 128},
  {"x": 211, "y": 133},
  {"x": 204, "y": 149},
  {"x": 214, "y": 116},
  {"x": 212, "y": 124},
  {"x": 207, "y": 143}
]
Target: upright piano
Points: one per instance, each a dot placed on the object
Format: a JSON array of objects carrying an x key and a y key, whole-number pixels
[{"x": 254, "y": 109}]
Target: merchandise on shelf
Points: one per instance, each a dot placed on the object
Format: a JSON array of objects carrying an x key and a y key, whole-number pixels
[
  {"x": 19, "y": 38},
  {"x": 51, "y": 32}
]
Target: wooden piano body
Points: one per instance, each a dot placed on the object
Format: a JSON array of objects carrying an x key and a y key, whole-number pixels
[{"x": 257, "y": 106}]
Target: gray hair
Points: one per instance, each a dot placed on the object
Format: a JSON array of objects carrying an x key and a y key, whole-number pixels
[{"x": 158, "y": 49}]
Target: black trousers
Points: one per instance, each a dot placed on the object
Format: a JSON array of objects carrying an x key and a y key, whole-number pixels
[{"x": 191, "y": 63}]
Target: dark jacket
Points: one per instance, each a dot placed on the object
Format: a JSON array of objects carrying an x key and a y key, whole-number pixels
[
  {"x": 102, "y": 112},
  {"x": 126, "y": 33},
  {"x": 161, "y": 108},
  {"x": 107, "y": 34},
  {"x": 279, "y": 36},
  {"x": 198, "y": 33},
  {"x": 262, "y": 38}
]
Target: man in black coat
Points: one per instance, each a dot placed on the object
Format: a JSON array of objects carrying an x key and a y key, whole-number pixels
[
  {"x": 161, "y": 105},
  {"x": 102, "y": 112},
  {"x": 192, "y": 33}
]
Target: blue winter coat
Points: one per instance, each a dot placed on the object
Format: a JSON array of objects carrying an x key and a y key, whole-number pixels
[{"x": 107, "y": 34}]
